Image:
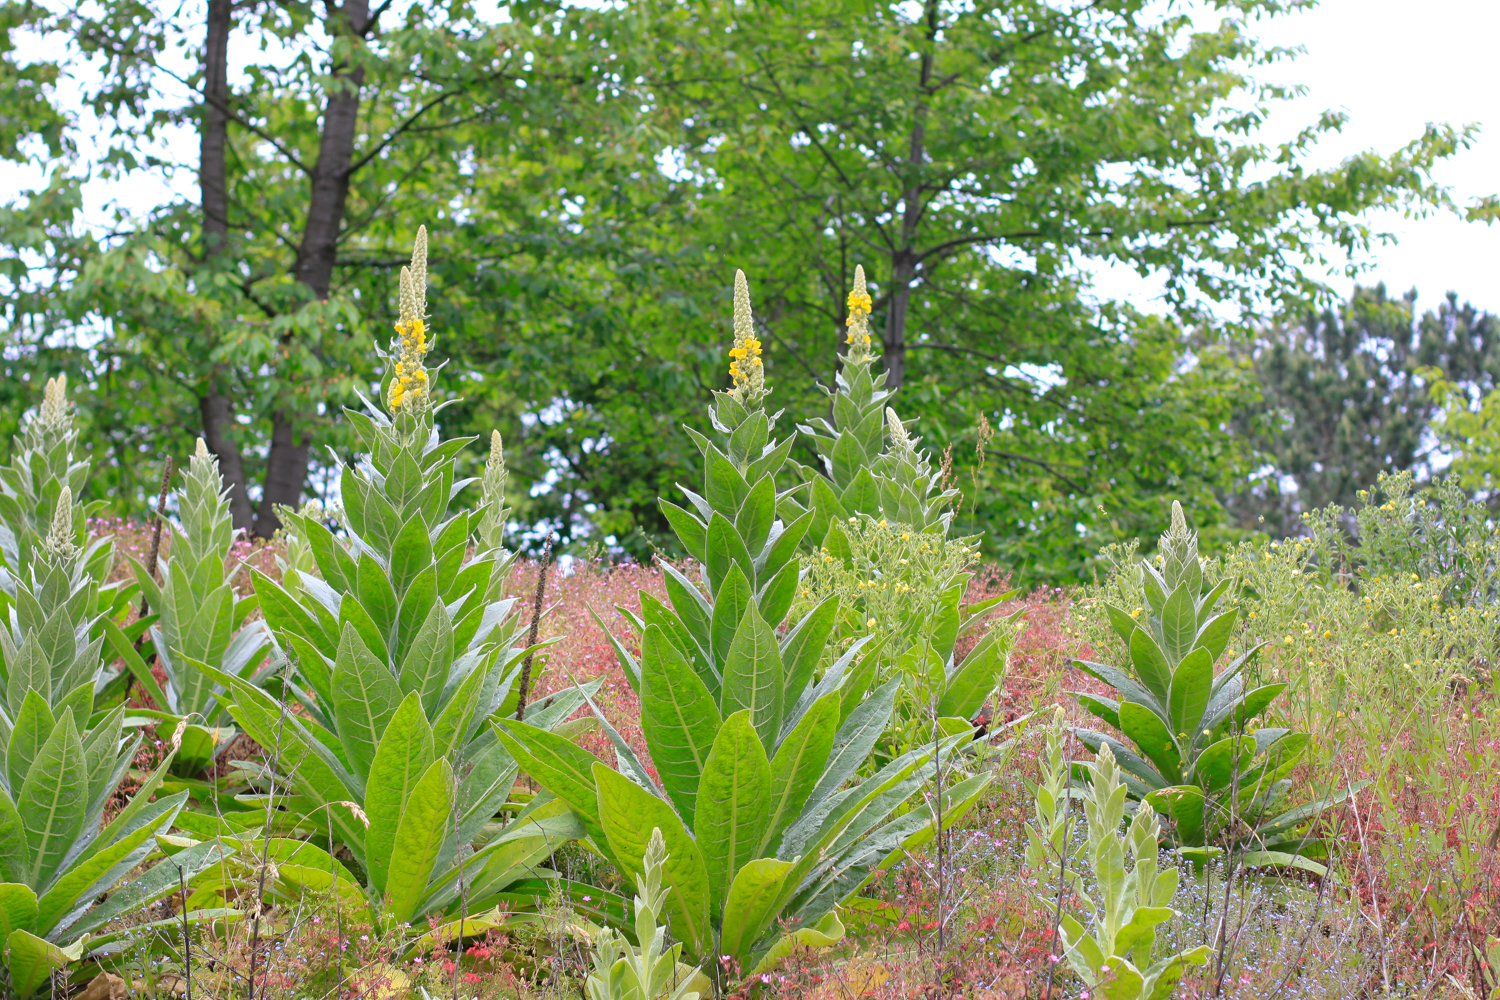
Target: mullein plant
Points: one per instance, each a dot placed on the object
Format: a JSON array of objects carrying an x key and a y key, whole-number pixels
[
  {"x": 1200, "y": 759},
  {"x": 881, "y": 519},
  {"x": 861, "y": 475},
  {"x": 201, "y": 620},
  {"x": 53, "y": 609},
  {"x": 400, "y": 649},
  {"x": 53, "y": 595},
  {"x": 1111, "y": 944},
  {"x": 648, "y": 970},
  {"x": 757, "y": 733},
  {"x": 44, "y": 463},
  {"x": 61, "y": 864}
]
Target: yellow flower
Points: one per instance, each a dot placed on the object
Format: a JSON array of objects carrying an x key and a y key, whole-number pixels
[
  {"x": 870, "y": 623},
  {"x": 409, "y": 387},
  {"x": 859, "y": 318},
  {"x": 749, "y": 378}
]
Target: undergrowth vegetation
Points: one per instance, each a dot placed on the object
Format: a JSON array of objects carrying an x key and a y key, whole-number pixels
[{"x": 829, "y": 755}]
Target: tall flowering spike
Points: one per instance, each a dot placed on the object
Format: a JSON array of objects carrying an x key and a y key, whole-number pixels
[
  {"x": 1179, "y": 550},
  {"x": 204, "y": 462},
  {"x": 494, "y": 469},
  {"x": 492, "y": 486},
  {"x": 859, "y": 318},
  {"x": 903, "y": 445},
  {"x": 54, "y": 420},
  {"x": 409, "y": 384},
  {"x": 59, "y": 540},
  {"x": 55, "y": 405},
  {"x": 745, "y": 366}
]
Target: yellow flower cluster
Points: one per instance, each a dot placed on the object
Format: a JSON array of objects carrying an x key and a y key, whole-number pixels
[
  {"x": 745, "y": 365},
  {"x": 409, "y": 387},
  {"x": 859, "y": 317}
]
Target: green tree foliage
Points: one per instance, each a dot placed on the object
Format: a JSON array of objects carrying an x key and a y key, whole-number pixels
[
  {"x": 249, "y": 311},
  {"x": 979, "y": 158},
  {"x": 1348, "y": 394}
]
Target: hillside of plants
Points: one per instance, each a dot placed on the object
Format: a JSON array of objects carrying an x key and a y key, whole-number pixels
[
  {"x": 827, "y": 753},
  {"x": 713, "y": 500}
]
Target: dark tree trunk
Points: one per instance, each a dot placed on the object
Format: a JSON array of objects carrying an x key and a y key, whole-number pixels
[
  {"x": 286, "y": 466},
  {"x": 904, "y": 260},
  {"x": 214, "y": 404}
]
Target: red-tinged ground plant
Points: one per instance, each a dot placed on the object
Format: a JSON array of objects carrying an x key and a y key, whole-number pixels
[{"x": 757, "y": 736}]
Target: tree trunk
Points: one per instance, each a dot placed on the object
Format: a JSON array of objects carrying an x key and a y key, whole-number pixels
[
  {"x": 214, "y": 404},
  {"x": 286, "y": 466},
  {"x": 904, "y": 260}
]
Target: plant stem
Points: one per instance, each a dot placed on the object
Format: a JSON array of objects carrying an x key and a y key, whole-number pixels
[
  {"x": 187, "y": 941},
  {"x": 160, "y": 519},
  {"x": 536, "y": 622}
]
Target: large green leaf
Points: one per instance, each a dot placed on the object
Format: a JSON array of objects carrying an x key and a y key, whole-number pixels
[
  {"x": 803, "y": 647},
  {"x": 693, "y": 610},
  {"x": 135, "y": 895},
  {"x": 53, "y": 802},
  {"x": 365, "y": 696},
  {"x": 690, "y": 531},
  {"x": 559, "y": 765},
  {"x": 420, "y": 837},
  {"x": 678, "y": 717},
  {"x": 376, "y": 595},
  {"x": 351, "y": 612},
  {"x": 33, "y": 726},
  {"x": 733, "y": 803},
  {"x": 1184, "y": 805},
  {"x": 1151, "y": 736},
  {"x": 1215, "y": 633},
  {"x": 14, "y": 859},
  {"x": 410, "y": 554},
  {"x": 429, "y": 658},
  {"x": 725, "y": 549},
  {"x": 32, "y": 962},
  {"x": 797, "y": 766},
  {"x": 975, "y": 678},
  {"x": 284, "y": 614},
  {"x": 1188, "y": 698},
  {"x": 753, "y": 676},
  {"x": 313, "y": 767},
  {"x": 629, "y": 813},
  {"x": 732, "y": 599},
  {"x": 404, "y": 755},
  {"x": 725, "y": 489},
  {"x": 1179, "y": 623},
  {"x": 775, "y": 597},
  {"x": 17, "y": 908},
  {"x": 1222, "y": 762},
  {"x": 756, "y": 514},
  {"x": 97, "y": 872},
  {"x": 1150, "y": 665},
  {"x": 751, "y": 906},
  {"x": 855, "y": 739}
]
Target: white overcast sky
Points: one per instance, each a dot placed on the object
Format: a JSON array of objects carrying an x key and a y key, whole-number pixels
[{"x": 1391, "y": 65}]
